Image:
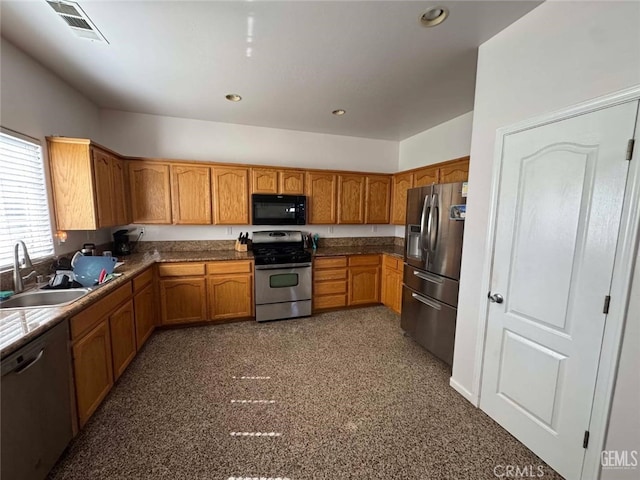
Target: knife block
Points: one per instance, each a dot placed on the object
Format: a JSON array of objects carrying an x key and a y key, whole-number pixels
[{"x": 241, "y": 247}]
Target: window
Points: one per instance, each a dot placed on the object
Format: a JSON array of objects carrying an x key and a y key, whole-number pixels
[{"x": 24, "y": 209}]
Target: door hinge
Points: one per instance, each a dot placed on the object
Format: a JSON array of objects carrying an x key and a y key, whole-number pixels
[
  {"x": 585, "y": 441},
  {"x": 630, "y": 148},
  {"x": 607, "y": 301}
]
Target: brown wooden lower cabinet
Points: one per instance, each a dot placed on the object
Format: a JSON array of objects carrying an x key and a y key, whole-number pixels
[
  {"x": 391, "y": 289},
  {"x": 345, "y": 281},
  {"x": 145, "y": 313},
  {"x": 93, "y": 369},
  {"x": 123, "y": 338},
  {"x": 364, "y": 279},
  {"x": 329, "y": 282},
  {"x": 230, "y": 296},
  {"x": 183, "y": 300}
]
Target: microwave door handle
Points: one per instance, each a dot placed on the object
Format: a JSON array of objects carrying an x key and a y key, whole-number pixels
[{"x": 426, "y": 212}]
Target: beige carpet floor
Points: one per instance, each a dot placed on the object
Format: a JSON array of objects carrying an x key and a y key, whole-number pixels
[{"x": 342, "y": 395}]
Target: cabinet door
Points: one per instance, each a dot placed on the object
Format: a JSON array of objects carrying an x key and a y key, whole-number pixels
[
  {"x": 426, "y": 176},
  {"x": 401, "y": 183},
  {"x": 92, "y": 370},
  {"x": 386, "y": 286},
  {"x": 144, "y": 307},
  {"x": 104, "y": 188},
  {"x": 123, "y": 338},
  {"x": 364, "y": 285},
  {"x": 378, "y": 199},
  {"x": 183, "y": 300},
  {"x": 455, "y": 172},
  {"x": 398, "y": 291},
  {"x": 150, "y": 192},
  {"x": 120, "y": 214},
  {"x": 231, "y": 196},
  {"x": 264, "y": 180},
  {"x": 321, "y": 204},
  {"x": 230, "y": 296},
  {"x": 291, "y": 182},
  {"x": 191, "y": 194},
  {"x": 351, "y": 189}
]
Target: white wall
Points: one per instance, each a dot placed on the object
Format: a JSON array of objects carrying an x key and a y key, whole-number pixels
[
  {"x": 560, "y": 54},
  {"x": 443, "y": 142},
  {"x": 144, "y": 135},
  {"x": 35, "y": 102}
]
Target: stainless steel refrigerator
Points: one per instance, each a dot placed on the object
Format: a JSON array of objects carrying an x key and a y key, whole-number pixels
[{"x": 433, "y": 249}]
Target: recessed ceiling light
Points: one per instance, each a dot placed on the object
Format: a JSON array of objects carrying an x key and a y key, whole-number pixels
[
  {"x": 339, "y": 112},
  {"x": 434, "y": 16},
  {"x": 233, "y": 97}
]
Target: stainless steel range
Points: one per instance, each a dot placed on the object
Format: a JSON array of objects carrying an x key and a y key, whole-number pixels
[{"x": 283, "y": 275}]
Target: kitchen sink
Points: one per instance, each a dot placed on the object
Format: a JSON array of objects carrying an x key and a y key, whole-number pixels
[{"x": 45, "y": 298}]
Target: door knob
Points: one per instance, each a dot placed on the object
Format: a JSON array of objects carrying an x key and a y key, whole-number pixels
[{"x": 496, "y": 298}]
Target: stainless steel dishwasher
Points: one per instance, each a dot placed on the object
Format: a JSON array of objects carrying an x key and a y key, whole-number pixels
[{"x": 36, "y": 405}]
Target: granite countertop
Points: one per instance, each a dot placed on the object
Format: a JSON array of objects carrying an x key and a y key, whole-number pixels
[
  {"x": 18, "y": 327},
  {"x": 394, "y": 250}
]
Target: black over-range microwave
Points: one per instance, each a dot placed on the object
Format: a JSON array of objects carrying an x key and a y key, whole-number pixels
[{"x": 279, "y": 209}]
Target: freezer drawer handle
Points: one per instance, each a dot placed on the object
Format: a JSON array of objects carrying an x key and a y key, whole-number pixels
[
  {"x": 429, "y": 303},
  {"x": 428, "y": 278}
]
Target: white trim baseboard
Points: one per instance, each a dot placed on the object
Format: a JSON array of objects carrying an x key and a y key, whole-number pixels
[{"x": 473, "y": 399}]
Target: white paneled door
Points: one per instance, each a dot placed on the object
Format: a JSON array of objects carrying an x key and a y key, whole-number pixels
[{"x": 559, "y": 208}]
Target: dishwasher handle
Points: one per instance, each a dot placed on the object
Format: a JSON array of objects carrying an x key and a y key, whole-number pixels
[{"x": 23, "y": 367}]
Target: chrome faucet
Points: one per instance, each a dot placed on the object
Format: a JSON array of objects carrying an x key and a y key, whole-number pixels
[{"x": 18, "y": 284}]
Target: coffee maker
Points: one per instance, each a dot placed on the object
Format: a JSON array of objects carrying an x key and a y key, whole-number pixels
[{"x": 121, "y": 243}]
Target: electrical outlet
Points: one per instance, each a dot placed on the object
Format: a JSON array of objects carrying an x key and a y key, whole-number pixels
[
  {"x": 141, "y": 231},
  {"x": 374, "y": 228},
  {"x": 229, "y": 230},
  {"x": 330, "y": 229}
]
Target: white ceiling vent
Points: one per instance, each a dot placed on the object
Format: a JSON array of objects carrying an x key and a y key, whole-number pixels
[{"x": 77, "y": 20}]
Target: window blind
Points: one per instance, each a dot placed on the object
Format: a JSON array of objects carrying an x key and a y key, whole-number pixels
[{"x": 24, "y": 208}]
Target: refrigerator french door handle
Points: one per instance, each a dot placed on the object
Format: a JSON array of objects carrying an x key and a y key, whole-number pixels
[
  {"x": 426, "y": 301},
  {"x": 434, "y": 214},
  {"x": 426, "y": 213}
]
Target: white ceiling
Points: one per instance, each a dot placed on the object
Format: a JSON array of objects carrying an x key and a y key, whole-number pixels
[{"x": 374, "y": 59}]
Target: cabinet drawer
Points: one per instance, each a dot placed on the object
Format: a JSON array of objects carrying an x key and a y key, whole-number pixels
[
  {"x": 180, "y": 269},
  {"x": 330, "y": 262},
  {"x": 335, "y": 274},
  {"x": 391, "y": 262},
  {"x": 91, "y": 316},
  {"x": 357, "y": 260},
  {"x": 328, "y": 288},
  {"x": 329, "y": 301},
  {"x": 143, "y": 279},
  {"x": 241, "y": 266}
]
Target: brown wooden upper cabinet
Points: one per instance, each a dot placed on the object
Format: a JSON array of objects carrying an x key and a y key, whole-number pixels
[
  {"x": 191, "y": 194},
  {"x": 457, "y": 171},
  {"x": 149, "y": 184},
  {"x": 88, "y": 185},
  {"x": 321, "y": 202},
  {"x": 231, "y": 195},
  {"x": 271, "y": 180},
  {"x": 351, "y": 198},
  {"x": 401, "y": 183},
  {"x": 377, "y": 199},
  {"x": 426, "y": 176},
  {"x": 291, "y": 182}
]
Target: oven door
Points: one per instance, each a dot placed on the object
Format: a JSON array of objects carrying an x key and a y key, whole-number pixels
[{"x": 282, "y": 283}]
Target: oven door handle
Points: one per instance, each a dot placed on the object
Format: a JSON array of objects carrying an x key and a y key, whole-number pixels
[{"x": 282, "y": 266}]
